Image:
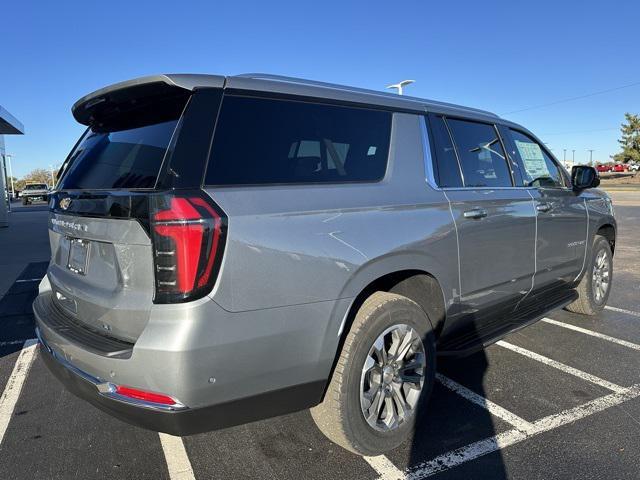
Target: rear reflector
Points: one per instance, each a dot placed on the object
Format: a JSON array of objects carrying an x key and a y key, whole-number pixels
[
  {"x": 145, "y": 396},
  {"x": 188, "y": 232}
]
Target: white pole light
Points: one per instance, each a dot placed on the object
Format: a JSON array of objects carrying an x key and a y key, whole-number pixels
[{"x": 401, "y": 84}]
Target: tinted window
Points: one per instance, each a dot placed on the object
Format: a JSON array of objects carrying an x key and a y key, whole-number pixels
[
  {"x": 481, "y": 155},
  {"x": 446, "y": 162},
  {"x": 539, "y": 170},
  {"x": 261, "y": 141},
  {"x": 129, "y": 158}
]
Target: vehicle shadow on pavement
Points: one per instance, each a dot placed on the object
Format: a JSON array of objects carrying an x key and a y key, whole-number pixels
[
  {"x": 453, "y": 422},
  {"x": 16, "y": 314}
]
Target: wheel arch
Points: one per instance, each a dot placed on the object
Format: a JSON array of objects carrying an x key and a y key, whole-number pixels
[
  {"x": 419, "y": 285},
  {"x": 608, "y": 231}
]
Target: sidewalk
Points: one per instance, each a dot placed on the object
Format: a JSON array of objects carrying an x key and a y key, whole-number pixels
[{"x": 25, "y": 240}]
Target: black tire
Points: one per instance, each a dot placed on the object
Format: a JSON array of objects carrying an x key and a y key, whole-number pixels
[
  {"x": 25, "y": 201},
  {"x": 587, "y": 303},
  {"x": 340, "y": 416}
]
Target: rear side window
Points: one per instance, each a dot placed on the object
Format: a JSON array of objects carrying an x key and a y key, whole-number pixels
[
  {"x": 266, "y": 141},
  {"x": 481, "y": 155},
  {"x": 538, "y": 168},
  {"x": 446, "y": 161}
]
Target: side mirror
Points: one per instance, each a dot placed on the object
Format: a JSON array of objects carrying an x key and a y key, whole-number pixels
[{"x": 583, "y": 176}]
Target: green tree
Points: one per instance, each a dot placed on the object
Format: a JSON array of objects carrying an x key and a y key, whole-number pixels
[
  {"x": 630, "y": 140},
  {"x": 38, "y": 175}
]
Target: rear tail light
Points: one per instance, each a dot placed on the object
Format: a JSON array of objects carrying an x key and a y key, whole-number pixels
[
  {"x": 143, "y": 395},
  {"x": 188, "y": 233}
]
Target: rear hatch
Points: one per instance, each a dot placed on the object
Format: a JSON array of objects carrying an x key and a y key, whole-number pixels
[{"x": 129, "y": 225}]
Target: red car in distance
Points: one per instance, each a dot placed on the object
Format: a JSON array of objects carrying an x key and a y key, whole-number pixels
[
  {"x": 620, "y": 167},
  {"x": 603, "y": 168}
]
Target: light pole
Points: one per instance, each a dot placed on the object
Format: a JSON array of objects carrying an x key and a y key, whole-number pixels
[
  {"x": 13, "y": 192},
  {"x": 573, "y": 157},
  {"x": 564, "y": 156},
  {"x": 399, "y": 85},
  {"x": 590, "y": 157}
]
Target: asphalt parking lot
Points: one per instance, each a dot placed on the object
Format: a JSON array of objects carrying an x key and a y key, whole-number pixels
[{"x": 560, "y": 399}]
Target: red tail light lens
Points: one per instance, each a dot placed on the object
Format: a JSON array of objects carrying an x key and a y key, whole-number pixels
[
  {"x": 188, "y": 233},
  {"x": 144, "y": 395}
]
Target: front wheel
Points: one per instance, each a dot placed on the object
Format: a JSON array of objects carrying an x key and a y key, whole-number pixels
[
  {"x": 594, "y": 288},
  {"x": 382, "y": 379}
]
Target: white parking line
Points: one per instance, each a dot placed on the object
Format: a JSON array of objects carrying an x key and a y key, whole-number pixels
[
  {"x": 175, "y": 454},
  {"x": 493, "y": 408},
  {"x": 492, "y": 444},
  {"x": 14, "y": 384},
  {"x": 385, "y": 468},
  {"x": 388, "y": 471},
  {"x": 622, "y": 310},
  {"x": 624, "y": 343},
  {"x": 561, "y": 366}
]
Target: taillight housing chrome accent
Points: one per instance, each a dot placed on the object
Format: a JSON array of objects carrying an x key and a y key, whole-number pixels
[{"x": 188, "y": 233}]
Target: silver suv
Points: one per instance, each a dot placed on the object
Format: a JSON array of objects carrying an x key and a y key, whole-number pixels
[{"x": 226, "y": 249}]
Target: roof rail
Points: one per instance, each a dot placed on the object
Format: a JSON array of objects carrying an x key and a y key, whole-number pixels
[{"x": 345, "y": 88}]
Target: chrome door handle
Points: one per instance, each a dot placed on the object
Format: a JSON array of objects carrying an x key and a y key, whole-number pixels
[
  {"x": 475, "y": 213},
  {"x": 543, "y": 207}
]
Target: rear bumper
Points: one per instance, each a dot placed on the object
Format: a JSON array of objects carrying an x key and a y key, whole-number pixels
[
  {"x": 182, "y": 370},
  {"x": 97, "y": 392},
  {"x": 182, "y": 420}
]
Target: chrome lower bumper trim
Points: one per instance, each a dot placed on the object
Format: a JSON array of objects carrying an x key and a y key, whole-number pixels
[{"x": 108, "y": 389}]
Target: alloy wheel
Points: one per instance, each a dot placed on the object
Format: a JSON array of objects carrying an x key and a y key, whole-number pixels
[{"x": 392, "y": 378}]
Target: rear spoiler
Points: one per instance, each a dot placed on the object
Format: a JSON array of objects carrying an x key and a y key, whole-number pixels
[{"x": 120, "y": 97}]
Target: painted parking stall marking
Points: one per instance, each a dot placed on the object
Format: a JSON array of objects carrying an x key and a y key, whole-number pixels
[
  {"x": 492, "y": 444},
  {"x": 622, "y": 310},
  {"x": 602, "y": 336},
  {"x": 561, "y": 366},
  {"x": 493, "y": 408},
  {"x": 14, "y": 385},
  {"x": 176, "y": 456},
  {"x": 385, "y": 468},
  {"x": 522, "y": 429}
]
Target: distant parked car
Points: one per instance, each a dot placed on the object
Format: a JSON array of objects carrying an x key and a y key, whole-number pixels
[
  {"x": 34, "y": 191},
  {"x": 634, "y": 167},
  {"x": 603, "y": 168},
  {"x": 620, "y": 167}
]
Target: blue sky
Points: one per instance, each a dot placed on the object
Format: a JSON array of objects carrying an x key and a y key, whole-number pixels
[{"x": 501, "y": 56}]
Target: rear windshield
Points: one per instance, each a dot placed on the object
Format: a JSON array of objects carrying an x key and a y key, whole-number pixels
[
  {"x": 36, "y": 186},
  {"x": 267, "y": 141},
  {"x": 129, "y": 158}
]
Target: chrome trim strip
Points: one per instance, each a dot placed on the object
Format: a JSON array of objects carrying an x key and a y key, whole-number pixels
[{"x": 108, "y": 389}]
